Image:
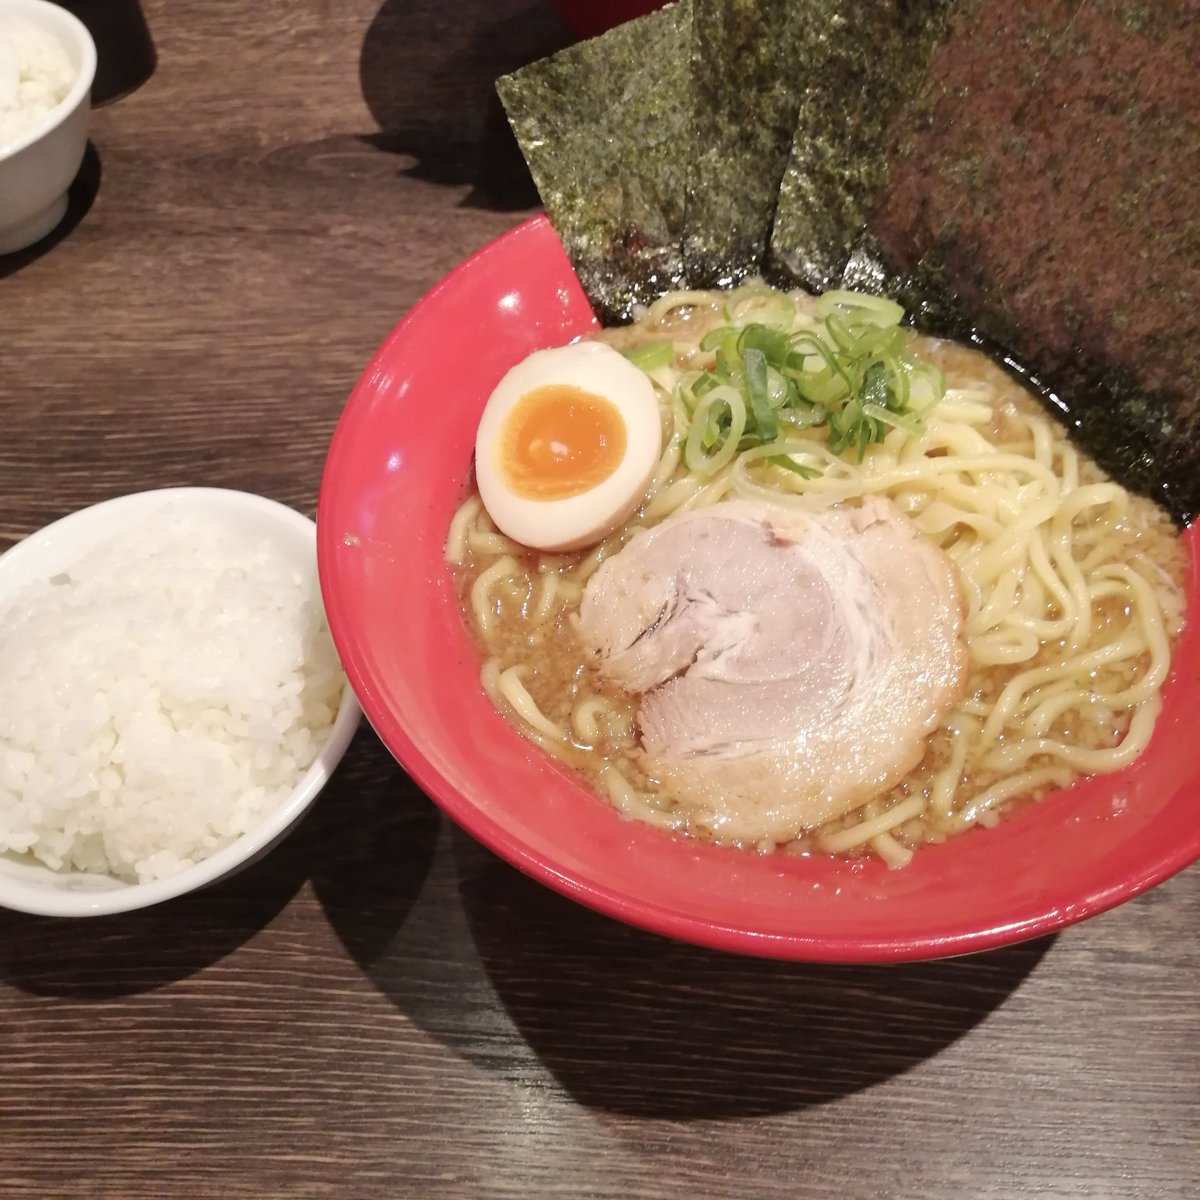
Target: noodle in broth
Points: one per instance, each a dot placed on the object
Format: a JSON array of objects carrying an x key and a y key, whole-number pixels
[{"x": 1073, "y": 589}]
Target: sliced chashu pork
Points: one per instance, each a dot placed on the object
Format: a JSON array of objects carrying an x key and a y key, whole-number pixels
[{"x": 790, "y": 665}]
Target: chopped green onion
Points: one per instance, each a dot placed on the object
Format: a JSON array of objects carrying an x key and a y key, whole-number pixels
[
  {"x": 876, "y": 387},
  {"x": 719, "y": 420},
  {"x": 878, "y": 309},
  {"x": 803, "y": 417},
  {"x": 760, "y": 402},
  {"x": 651, "y": 357},
  {"x": 790, "y": 464},
  {"x": 908, "y": 423},
  {"x": 772, "y": 342},
  {"x": 779, "y": 454},
  {"x": 850, "y": 371},
  {"x": 723, "y": 340}
]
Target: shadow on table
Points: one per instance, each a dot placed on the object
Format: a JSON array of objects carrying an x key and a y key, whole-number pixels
[
  {"x": 125, "y": 54},
  {"x": 633, "y": 1023},
  {"x": 428, "y": 74},
  {"x": 377, "y": 852},
  {"x": 356, "y": 818},
  {"x": 80, "y": 198}
]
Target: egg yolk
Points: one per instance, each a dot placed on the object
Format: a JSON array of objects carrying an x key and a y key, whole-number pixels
[{"x": 559, "y": 441}]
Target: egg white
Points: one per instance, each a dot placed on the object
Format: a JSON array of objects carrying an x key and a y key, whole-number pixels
[{"x": 582, "y": 520}]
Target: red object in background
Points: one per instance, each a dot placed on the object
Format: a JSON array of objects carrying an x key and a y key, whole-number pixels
[
  {"x": 590, "y": 19},
  {"x": 395, "y": 474}
]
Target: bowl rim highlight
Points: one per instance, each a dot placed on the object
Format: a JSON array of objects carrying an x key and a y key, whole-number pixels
[{"x": 74, "y": 534}]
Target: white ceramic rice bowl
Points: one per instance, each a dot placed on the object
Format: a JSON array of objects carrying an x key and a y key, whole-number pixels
[
  {"x": 30, "y": 887},
  {"x": 37, "y": 168}
]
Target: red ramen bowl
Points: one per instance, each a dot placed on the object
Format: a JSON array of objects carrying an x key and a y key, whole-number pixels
[{"x": 398, "y": 468}]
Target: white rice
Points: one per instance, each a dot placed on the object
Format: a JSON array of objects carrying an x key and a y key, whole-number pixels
[
  {"x": 35, "y": 76},
  {"x": 158, "y": 699}
]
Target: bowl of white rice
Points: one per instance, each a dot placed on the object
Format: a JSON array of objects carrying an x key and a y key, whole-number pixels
[
  {"x": 47, "y": 63},
  {"x": 170, "y": 699}
]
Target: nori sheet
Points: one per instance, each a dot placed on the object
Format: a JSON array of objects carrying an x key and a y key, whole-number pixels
[
  {"x": 1019, "y": 175},
  {"x": 860, "y": 59},
  {"x": 1045, "y": 178},
  {"x": 605, "y": 127},
  {"x": 1026, "y": 180},
  {"x": 746, "y": 58}
]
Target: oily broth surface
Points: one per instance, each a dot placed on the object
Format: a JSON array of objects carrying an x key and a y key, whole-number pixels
[
  {"x": 1148, "y": 532},
  {"x": 559, "y": 675}
]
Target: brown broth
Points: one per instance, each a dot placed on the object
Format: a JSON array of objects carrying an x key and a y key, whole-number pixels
[{"x": 560, "y": 671}]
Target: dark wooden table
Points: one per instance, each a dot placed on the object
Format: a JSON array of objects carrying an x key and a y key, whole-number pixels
[{"x": 381, "y": 1008}]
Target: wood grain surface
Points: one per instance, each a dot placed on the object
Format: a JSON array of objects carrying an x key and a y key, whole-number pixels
[{"x": 380, "y": 1008}]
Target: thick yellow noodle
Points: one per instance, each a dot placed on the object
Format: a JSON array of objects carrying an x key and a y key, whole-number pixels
[{"x": 1069, "y": 623}]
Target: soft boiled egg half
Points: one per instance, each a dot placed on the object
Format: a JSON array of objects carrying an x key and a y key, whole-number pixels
[{"x": 567, "y": 445}]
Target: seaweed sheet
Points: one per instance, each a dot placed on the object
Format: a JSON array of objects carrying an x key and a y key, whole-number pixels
[
  {"x": 1051, "y": 193},
  {"x": 1030, "y": 187},
  {"x": 746, "y": 56},
  {"x": 1022, "y": 175},
  {"x": 860, "y": 60},
  {"x": 605, "y": 127},
  {"x": 1042, "y": 203}
]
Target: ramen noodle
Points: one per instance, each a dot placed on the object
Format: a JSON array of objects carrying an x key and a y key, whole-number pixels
[{"x": 1072, "y": 587}]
